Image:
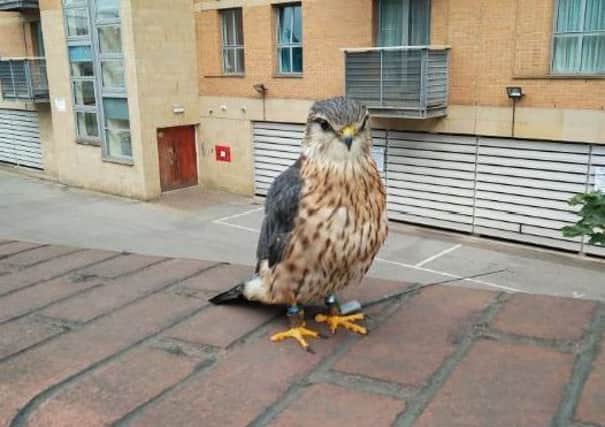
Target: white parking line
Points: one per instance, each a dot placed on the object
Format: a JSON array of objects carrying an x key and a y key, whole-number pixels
[
  {"x": 413, "y": 267},
  {"x": 440, "y": 254},
  {"x": 240, "y": 227},
  {"x": 453, "y": 276},
  {"x": 227, "y": 218}
]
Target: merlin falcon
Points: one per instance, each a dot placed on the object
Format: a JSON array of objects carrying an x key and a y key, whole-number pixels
[{"x": 325, "y": 220}]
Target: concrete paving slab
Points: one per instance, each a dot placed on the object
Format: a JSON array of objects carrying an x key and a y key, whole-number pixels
[
  {"x": 215, "y": 226},
  {"x": 547, "y": 275}
]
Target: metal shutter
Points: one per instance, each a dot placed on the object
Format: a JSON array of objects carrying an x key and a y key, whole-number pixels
[
  {"x": 523, "y": 188},
  {"x": 20, "y": 138},
  {"x": 430, "y": 179},
  {"x": 499, "y": 187},
  {"x": 277, "y": 146}
]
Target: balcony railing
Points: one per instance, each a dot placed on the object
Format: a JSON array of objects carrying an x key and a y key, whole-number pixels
[
  {"x": 24, "y": 79},
  {"x": 402, "y": 81},
  {"x": 18, "y": 4}
]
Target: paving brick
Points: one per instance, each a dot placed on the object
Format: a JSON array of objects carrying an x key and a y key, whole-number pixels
[
  {"x": 113, "y": 390},
  {"x": 28, "y": 374},
  {"x": 123, "y": 264},
  {"x": 591, "y": 407},
  {"x": 7, "y": 249},
  {"x": 544, "y": 316},
  {"x": 236, "y": 390},
  {"x": 122, "y": 290},
  {"x": 40, "y": 295},
  {"x": 319, "y": 403},
  {"x": 52, "y": 268},
  {"x": 501, "y": 385},
  {"x": 20, "y": 334},
  {"x": 371, "y": 289},
  {"x": 222, "y": 325},
  {"x": 36, "y": 255},
  {"x": 220, "y": 278},
  {"x": 413, "y": 343}
]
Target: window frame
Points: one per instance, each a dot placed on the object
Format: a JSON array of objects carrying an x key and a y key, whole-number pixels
[
  {"x": 97, "y": 58},
  {"x": 290, "y": 46},
  {"x": 578, "y": 34},
  {"x": 224, "y": 13}
]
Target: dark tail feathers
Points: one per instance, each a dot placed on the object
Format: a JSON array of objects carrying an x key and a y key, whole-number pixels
[{"x": 232, "y": 295}]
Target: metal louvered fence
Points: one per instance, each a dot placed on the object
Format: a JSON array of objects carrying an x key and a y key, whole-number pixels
[
  {"x": 401, "y": 81},
  {"x": 505, "y": 188},
  {"x": 24, "y": 78}
]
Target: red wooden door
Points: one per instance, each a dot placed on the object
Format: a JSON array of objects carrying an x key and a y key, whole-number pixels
[{"x": 178, "y": 159}]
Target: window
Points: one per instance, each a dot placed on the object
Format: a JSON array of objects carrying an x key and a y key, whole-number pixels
[
  {"x": 403, "y": 22},
  {"x": 96, "y": 60},
  {"x": 289, "y": 39},
  {"x": 233, "y": 41},
  {"x": 579, "y": 37}
]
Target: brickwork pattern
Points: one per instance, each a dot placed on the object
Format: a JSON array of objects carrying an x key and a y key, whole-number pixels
[
  {"x": 494, "y": 44},
  {"x": 112, "y": 338}
]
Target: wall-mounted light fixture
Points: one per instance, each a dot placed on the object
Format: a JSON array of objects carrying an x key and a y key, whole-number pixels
[
  {"x": 262, "y": 90},
  {"x": 514, "y": 92}
]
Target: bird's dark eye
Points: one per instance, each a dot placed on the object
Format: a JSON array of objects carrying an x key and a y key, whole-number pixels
[{"x": 324, "y": 124}]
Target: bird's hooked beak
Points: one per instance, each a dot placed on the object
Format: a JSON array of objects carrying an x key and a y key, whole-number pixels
[{"x": 347, "y": 133}]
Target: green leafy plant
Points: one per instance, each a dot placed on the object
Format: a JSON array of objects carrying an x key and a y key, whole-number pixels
[{"x": 592, "y": 218}]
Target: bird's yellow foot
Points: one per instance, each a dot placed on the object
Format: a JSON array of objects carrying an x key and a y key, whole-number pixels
[
  {"x": 334, "y": 321},
  {"x": 298, "y": 333}
]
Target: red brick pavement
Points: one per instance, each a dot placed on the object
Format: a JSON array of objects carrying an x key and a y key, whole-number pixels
[{"x": 94, "y": 338}]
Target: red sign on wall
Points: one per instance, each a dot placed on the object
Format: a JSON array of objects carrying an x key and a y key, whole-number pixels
[{"x": 223, "y": 153}]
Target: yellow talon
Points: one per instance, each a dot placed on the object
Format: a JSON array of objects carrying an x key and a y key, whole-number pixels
[
  {"x": 334, "y": 321},
  {"x": 298, "y": 333}
]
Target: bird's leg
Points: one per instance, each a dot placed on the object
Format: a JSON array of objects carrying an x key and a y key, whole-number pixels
[
  {"x": 298, "y": 330},
  {"x": 334, "y": 318}
]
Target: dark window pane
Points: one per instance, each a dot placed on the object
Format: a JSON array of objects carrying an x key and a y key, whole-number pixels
[
  {"x": 108, "y": 9},
  {"x": 71, "y": 3},
  {"x": 566, "y": 59},
  {"x": 115, "y": 109},
  {"x": 297, "y": 59},
  {"x": 284, "y": 31},
  {"x": 239, "y": 31},
  {"x": 118, "y": 143},
  {"x": 569, "y": 15},
  {"x": 76, "y": 21},
  {"x": 284, "y": 60},
  {"x": 82, "y": 69},
  {"x": 86, "y": 125},
  {"x": 84, "y": 93},
  {"x": 297, "y": 30},
  {"x": 109, "y": 39},
  {"x": 595, "y": 15},
  {"x": 113, "y": 73},
  {"x": 227, "y": 18},
  {"x": 239, "y": 53},
  {"x": 80, "y": 54},
  {"x": 593, "y": 54},
  {"x": 228, "y": 61}
]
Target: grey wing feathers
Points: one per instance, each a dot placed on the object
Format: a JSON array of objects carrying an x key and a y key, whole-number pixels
[{"x": 281, "y": 208}]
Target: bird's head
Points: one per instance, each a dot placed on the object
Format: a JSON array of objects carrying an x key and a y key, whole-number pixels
[{"x": 337, "y": 130}]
